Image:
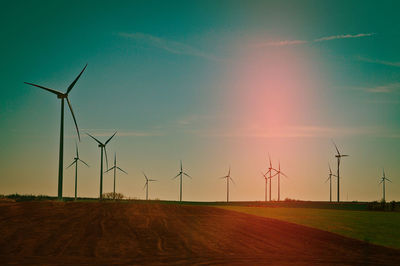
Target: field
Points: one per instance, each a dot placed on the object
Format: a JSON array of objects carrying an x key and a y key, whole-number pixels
[
  {"x": 377, "y": 227},
  {"x": 108, "y": 233}
]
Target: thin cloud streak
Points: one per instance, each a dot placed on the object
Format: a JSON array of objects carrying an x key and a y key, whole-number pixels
[
  {"x": 381, "y": 62},
  {"x": 344, "y": 36},
  {"x": 169, "y": 46},
  {"x": 122, "y": 133},
  {"x": 383, "y": 89},
  {"x": 327, "y": 38}
]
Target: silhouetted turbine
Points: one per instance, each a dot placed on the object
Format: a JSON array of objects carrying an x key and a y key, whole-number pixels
[
  {"x": 330, "y": 182},
  {"x": 338, "y": 156},
  {"x": 102, "y": 147},
  {"x": 115, "y": 167},
  {"x": 146, "y": 185},
  {"x": 270, "y": 178},
  {"x": 228, "y": 177},
  {"x": 279, "y": 173},
  {"x": 181, "y": 173},
  {"x": 62, "y": 96},
  {"x": 75, "y": 161},
  {"x": 383, "y": 181}
]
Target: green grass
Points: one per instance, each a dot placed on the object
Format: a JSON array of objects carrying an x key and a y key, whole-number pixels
[{"x": 382, "y": 228}]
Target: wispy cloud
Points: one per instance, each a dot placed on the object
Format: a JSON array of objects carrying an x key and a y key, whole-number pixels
[
  {"x": 343, "y": 36},
  {"x": 169, "y": 46},
  {"x": 382, "y": 89},
  {"x": 298, "y": 132},
  {"x": 326, "y": 38},
  {"x": 283, "y": 43},
  {"x": 381, "y": 62}
]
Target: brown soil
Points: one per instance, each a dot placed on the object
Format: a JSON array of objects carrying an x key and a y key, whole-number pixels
[{"x": 56, "y": 233}]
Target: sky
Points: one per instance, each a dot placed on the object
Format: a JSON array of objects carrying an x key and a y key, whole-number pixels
[{"x": 216, "y": 84}]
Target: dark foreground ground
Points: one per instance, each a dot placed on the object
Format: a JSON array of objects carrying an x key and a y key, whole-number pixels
[{"x": 88, "y": 233}]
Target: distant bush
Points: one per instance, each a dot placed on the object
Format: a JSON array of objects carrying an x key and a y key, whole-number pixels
[
  {"x": 291, "y": 200},
  {"x": 384, "y": 206},
  {"x": 110, "y": 195}
]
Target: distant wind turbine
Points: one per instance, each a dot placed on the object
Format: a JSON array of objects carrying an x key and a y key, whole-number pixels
[
  {"x": 268, "y": 177},
  {"x": 75, "y": 161},
  {"x": 383, "y": 181},
  {"x": 62, "y": 96},
  {"x": 102, "y": 147},
  {"x": 338, "y": 156},
  {"x": 146, "y": 185},
  {"x": 228, "y": 177},
  {"x": 330, "y": 183},
  {"x": 115, "y": 167},
  {"x": 279, "y": 173},
  {"x": 181, "y": 173}
]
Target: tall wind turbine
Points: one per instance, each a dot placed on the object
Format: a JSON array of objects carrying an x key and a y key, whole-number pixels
[
  {"x": 75, "y": 161},
  {"x": 279, "y": 173},
  {"x": 62, "y": 96},
  {"x": 102, "y": 147},
  {"x": 146, "y": 185},
  {"x": 181, "y": 173},
  {"x": 115, "y": 167},
  {"x": 330, "y": 183},
  {"x": 228, "y": 177},
  {"x": 270, "y": 179},
  {"x": 383, "y": 181},
  {"x": 338, "y": 156}
]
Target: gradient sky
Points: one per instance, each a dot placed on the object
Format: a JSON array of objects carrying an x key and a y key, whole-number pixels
[{"x": 214, "y": 83}]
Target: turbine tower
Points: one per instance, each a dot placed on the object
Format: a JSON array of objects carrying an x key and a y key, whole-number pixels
[
  {"x": 62, "y": 96},
  {"x": 75, "y": 161},
  {"x": 146, "y": 185},
  {"x": 181, "y": 173},
  {"x": 279, "y": 173},
  {"x": 330, "y": 182},
  {"x": 115, "y": 167},
  {"x": 338, "y": 156},
  {"x": 383, "y": 181},
  {"x": 228, "y": 177},
  {"x": 102, "y": 147}
]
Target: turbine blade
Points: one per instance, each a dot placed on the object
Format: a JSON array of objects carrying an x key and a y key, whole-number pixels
[
  {"x": 284, "y": 175},
  {"x": 145, "y": 176},
  {"x": 76, "y": 79},
  {"x": 176, "y": 176},
  {"x": 336, "y": 147},
  {"x": 105, "y": 152},
  {"x": 98, "y": 141},
  {"x": 344, "y": 155},
  {"x": 76, "y": 146},
  {"x": 381, "y": 182},
  {"x": 270, "y": 163},
  {"x": 73, "y": 116},
  {"x": 70, "y": 164},
  {"x": 222, "y": 177},
  {"x": 152, "y": 180},
  {"x": 388, "y": 180},
  {"x": 145, "y": 184},
  {"x": 47, "y": 89},
  {"x": 327, "y": 179},
  {"x": 110, "y": 169},
  {"x": 121, "y": 170},
  {"x": 83, "y": 162},
  {"x": 187, "y": 175},
  {"x": 330, "y": 170},
  {"x": 232, "y": 180},
  {"x": 110, "y": 138}
]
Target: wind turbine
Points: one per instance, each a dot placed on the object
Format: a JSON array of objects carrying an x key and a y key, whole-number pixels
[
  {"x": 270, "y": 179},
  {"x": 181, "y": 173},
  {"x": 75, "y": 161},
  {"x": 115, "y": 167},
  {"x": 228, "y": 177},
  {"x": 338, "y": 156},
  {"x": 146, "y": 185},
  {"x": 102, "y": 147},
  {"x": 62, "y": 96},
  {"x": 383, "y": 181},
  {"x": 330, "y": 182},
  {"x": 279, "y": 173}
]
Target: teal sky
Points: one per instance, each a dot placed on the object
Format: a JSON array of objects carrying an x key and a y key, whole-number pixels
[{"x": 214, "y": 83}]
